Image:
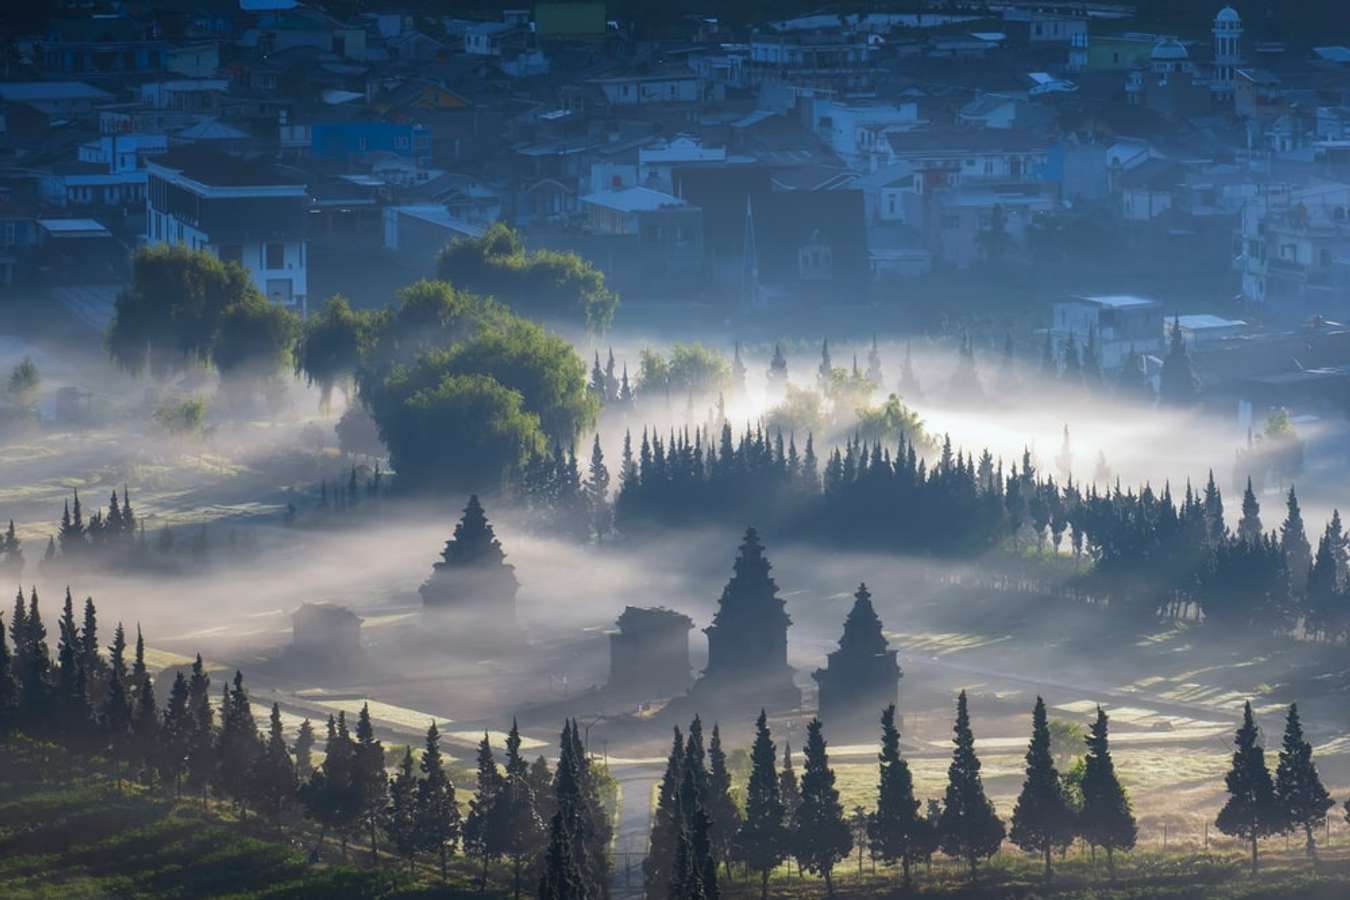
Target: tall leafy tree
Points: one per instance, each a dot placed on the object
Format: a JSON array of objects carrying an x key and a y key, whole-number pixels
[
  {"x": 1302, "y": 799},
  {"x": 1252, "y": 811},
  {"x": 823, "y": 836},
  {"x": 1042, "y": 821},
  {"x": 970, "y": 829},
  {"x": 761, "y": 842},
  {"x": 1106, "y": 819},
  {"x": 895, "y": 831}
]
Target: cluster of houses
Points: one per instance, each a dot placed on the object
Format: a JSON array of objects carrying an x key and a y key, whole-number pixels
[{"x": 811, "y": 160}]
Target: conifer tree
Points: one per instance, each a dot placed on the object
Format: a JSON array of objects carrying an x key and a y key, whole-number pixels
[
  {"x": 328, "y": 796},
  {"x": 1177, "y": 385},
  {"x": 116, "y": 715},
  {"x": 895, "y": 829},
  {"x": 175, "y": 732},
  {"x": 826, "y": 367},
  {"x": 778, "y": 371},
  {"x": 1249, "y": 528},
  {"x": 1299, "y": 793},
  {"x": 238, "y": 746},
  {"x": 480, "y": 838},
  {"x": 561, "y": 878},
  {"x": 400, "y": 822},
  {"x": 72, "y": 711},
  {"x": 790, "y": 790},
  {"x": 437, "y": 813},
  {"x": 1252, "y": 811},
  {"x": 304, "y": 751},
  {"x": 9, "y": 688},
  {"x": 372, "y": 786},
  {"x": 694, "y": 875},
  {"x": 823, "y": 837},
  {"x": 1042, "y": 821},
  {"x": 200, "y": 758},
  {"x": 11, "y": 549},
  {"x": 761, "y": 841},
  {"x": 571, "y": 829},
  {"x": 145, "y": 736},
  {"x": 597, "y": 494},
  {"x": 970, "y": 828},
  {"x": 1106, "y": 819},
  {"x": 1294, "y": 543},
  {"x": 724, "y": 817},
  {"x": 274, "y": 781},
  {"x": 909, "y": 386},
  {"x": 517, "y": 811},
  {"x": 18, "y": 629},
  {"x": 35, "y": 678},
  {"x": 658, "y": 867}
]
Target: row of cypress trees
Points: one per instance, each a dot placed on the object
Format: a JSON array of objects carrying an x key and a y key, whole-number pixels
[{"x": 697, "y": 824}]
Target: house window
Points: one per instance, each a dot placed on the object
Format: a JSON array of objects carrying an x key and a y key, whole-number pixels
[
  {"x": 1324, "y": 257},
  {"x": 275, "y": 256},
  {"x": 231, "y": 253},
  {"x": 890, "y": 204}
]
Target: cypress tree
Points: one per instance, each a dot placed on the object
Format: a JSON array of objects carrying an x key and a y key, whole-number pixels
[
  {"x": 596, "y": 830},
  {"x": 35, "y": 677},
  {"x": 238, "y": 746},
  {"x": 970, "y": 828},
  {"x": 116, "y": 717},
  {"x": 200, "y": 760},
  {"x": 570, "y": 831},
  {"x": 1294, "y": 543},
  {"x": 597, "y": 493},
  {"x": 328, "y": 795},
  {"x": 372, "y": 786},
  {"x": 561, "y": 878},
  {"x": 657, "y": 868},
  {"x": 1106, "y": 819},
  {"x": 18, "y": 629},
  {"x": 90, "y": 658},
  {"x": 1249, "y": 528},
  {"x": 1042, "y": 821},
  {"x": 1299, "y": 793},
  {"x": 517, "y": 811},
  {"x": 724, "y": 816},
  {"x": 9, "y": 688},
  {"x": 73, "y": 705},
  {"x": 437, "y": 813},
  {"x": 895, "y": 830},
  {"x": 790, "y": 790},
  {"x": 761, "y": 841},
  {"x": 304, "y": 750},
  {"x": 175, "y": 732},
  {"x": 480, "y": 841},
  {"x": 145, "y": 735},
  {"x": 823, "y": 836},
  {"x": 1251, "y": 812},
  {"x": 400, "y": 823},
  {"x": 1177, "y": 384},
  {"x": 275, "y": 784}
]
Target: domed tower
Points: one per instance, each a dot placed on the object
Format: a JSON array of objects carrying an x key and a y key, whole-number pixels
[{"x": 1227, "y": 48}]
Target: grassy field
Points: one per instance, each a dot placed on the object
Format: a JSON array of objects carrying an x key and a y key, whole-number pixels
[{"x": 77, "y": 836}]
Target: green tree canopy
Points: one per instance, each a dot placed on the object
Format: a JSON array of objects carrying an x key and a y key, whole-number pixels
[{"x": 542, "y": 284}]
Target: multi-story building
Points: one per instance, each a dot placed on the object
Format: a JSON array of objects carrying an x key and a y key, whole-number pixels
[
  {"x": 1122, "y": 324},
  {"x": 246, "y": 211},
  {"x": 1291, "y": 244}
]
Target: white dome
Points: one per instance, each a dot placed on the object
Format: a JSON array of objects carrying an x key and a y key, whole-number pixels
[
  {"x": 1227, "y": 14},
  {"x": 1169, "y": 50}
]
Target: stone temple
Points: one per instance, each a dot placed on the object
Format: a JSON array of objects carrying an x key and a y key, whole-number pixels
[
  {"x": 747, "y": 643},
  {"x": 649, "y": 654},
  {"x": 860, "y": 678},
  {"x": 472, "y": 587}
]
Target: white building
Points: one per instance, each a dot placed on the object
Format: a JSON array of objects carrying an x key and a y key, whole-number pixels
[
  {"x": 243, "y": 211},
  {"x": 1121, "y": 322},
  {"x": 860, "y": 133},
  {"x": 637, "y": 90}
]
